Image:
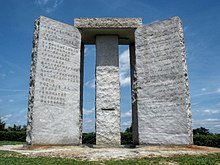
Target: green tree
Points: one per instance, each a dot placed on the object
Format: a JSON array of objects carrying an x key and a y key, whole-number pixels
[
  {"x": 126, "y": 137},
  {"x": 201, "y": 131},
  {"x": 128, "y": 130},
  {"x": 2, "y": 125}
]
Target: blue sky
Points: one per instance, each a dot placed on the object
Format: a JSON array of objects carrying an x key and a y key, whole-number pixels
[{"x": 201, "y": 21}]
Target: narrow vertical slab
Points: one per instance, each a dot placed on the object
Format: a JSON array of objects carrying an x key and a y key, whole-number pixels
[
  {"x": 162, "y": 85},
  {"x": 134, "y": 93},
  {"x": 107, "y": 91},
  {"x": 54, "y": 97}
]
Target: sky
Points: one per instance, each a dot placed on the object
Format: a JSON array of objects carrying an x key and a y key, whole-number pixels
[{"x": 201, "y": 23}]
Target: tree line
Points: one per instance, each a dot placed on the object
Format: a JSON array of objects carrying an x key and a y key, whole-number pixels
[
  {"x": 12, "y": 133},
  {"x": 201, "y": 136}
]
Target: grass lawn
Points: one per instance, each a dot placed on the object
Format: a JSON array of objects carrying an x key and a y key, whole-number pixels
[
  {"x": 10, "y": 142},
  {"x": 12, "y": 158}
]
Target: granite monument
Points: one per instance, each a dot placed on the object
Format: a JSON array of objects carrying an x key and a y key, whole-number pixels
[{"x": 159, "y": 81}]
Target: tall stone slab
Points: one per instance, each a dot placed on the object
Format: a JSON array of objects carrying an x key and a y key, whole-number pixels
[
  {"x": 54, "y": 116},
  {"x": 107, "y": 91},
  {"x": 161, "y": 84}
]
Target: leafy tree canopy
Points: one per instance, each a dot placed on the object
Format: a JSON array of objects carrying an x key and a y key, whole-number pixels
[
  {"x": 2, "y": 124},
  {"x": 201, "y": 131}
]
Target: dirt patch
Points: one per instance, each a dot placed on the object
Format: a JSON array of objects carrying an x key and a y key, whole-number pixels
[{"x": 96, "y": 154}]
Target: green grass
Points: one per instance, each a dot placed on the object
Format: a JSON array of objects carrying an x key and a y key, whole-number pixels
[
  {"x": 182, "y": 160},
  {"x": 10, "y": 142},
  {"x": 12, "y": 158}
]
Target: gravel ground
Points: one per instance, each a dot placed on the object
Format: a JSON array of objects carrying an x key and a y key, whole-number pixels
[{"x": 96, "y": 154}]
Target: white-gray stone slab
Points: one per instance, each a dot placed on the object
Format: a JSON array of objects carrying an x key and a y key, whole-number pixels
[
  {"x": 163, "y": 107},
  {"x": 122, "y": 27},
  {"x": 54, "y": 115},
  {"x": 107, "y": 92},
  {"x": 107, "y": 23}
]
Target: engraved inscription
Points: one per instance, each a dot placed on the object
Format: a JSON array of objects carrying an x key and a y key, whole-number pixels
[
  {"x": 56, "y": 84},
  {"x": 161, "y": 100},
  {"x": 163, "y": 75},
  {"x": 59, "y": 65}
]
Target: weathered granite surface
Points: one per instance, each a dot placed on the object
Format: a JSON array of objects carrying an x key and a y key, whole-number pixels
[
  {"x": 54, "y": 97},
  {"x": 107, "y": 22},
  {"x": 162, "y": 84},
  {"x": 122, "y": 27},
  {"x": 160, "y": 89},
  {"x": 107, "y": 92}
]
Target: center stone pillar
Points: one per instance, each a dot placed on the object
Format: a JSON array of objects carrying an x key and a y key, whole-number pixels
[{"x": 107, "y": 91}]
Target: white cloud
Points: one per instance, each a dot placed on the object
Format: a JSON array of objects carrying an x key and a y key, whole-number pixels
[
  {"x": 10, "y": 100},
  {"x": 6, "y": 117},
  {"x": 17, "y": 117},
  {"x": 126, "y": 114},
  {"x": 210, "y": 123},
  {"x": 86, "y": 51},
  {"x": 87, "y": 121},
  {"x": 88, "y": 125},
  {"x": 207, "y": 93},
  {"x": 125, "y": 81},
  {"x": 185, "y": 28},
  {"x": 208, "y": 120},
  {"x": 90, "y": 83},
  {"x": 48, "y": 5},
  {"x": 211, "y": 111},
  {"x": 126, "y": 120},
  {"x": 194, "y": 103},
  {"x": 212, "y": 120},
  {"x": 88, "y": 111},
  {"x": 124, "y": 63},
  {"x": 14, "y": 66},
  {"x": 12, "y": 90},
  {"x": 90, "y": 50},
  {"x": 41, "y": 2},
  {"x": 125, "y": 125},
  {"x": 203, "y": 89}
]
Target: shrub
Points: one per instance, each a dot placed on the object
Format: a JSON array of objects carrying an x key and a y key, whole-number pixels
[
  {"x": 13, "y": 135},
  {"x": 212, "y": 140},
  {"x": 126, "y": 138},
  {"x": 89, "y": 138}
]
